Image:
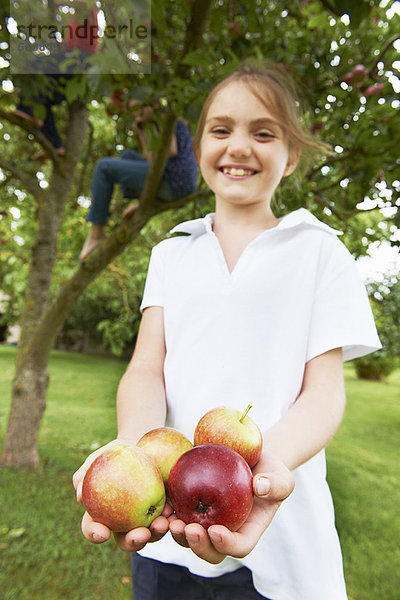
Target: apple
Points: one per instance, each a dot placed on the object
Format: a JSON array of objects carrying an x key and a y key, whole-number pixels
[
  {"x": 165, "y": 445},
  {"x": 360, "y": 71},
  {"x": 232, "y": 428},
  {"x": 211, "y": 485},
  {"x": 123, "y": 488},
  {"x": 374, "y": 89},
  {"x": 317, "y": 126},
  {"x": 234, "y": 29}
]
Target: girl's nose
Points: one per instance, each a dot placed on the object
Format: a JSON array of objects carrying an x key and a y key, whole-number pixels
[{"x": 239, "y": 145}]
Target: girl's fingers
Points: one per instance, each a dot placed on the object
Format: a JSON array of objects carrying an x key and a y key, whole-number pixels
[
  {"x": 133, "y": 540},
  {"x": 201, "y": 544},
  {"x": 97, "y": 533},
  {"x": 158, "y": 528},
  {"x": 275, "y": 487},
  {"x": 177, "y": 529}
]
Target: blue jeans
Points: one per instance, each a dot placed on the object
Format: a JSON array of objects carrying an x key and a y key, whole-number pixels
[
  {"x": 54, "y": 96},
  {"x": 154, "y": 580},
  {"x": 130, "y": 172}
]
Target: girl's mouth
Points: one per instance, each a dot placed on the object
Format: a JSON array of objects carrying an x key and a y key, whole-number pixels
[{"x": 238, "y": 171}]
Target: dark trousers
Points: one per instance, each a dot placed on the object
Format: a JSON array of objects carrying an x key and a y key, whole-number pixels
[
  {"x": 130, "y": 172},
  {"x": 154, "y": 580},
  {"x": 53, "y": 96}
]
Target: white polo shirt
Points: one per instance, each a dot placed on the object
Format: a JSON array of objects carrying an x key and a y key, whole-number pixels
[{"x": 245, "y": 337}]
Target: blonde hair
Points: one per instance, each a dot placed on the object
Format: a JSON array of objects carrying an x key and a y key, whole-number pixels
[{"x": 274, "y": 88}]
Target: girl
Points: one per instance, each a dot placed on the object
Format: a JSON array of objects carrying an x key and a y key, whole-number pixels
[{"x": 247, "y": 307}]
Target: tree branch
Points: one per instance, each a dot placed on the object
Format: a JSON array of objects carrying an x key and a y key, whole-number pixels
[
  {"x": 193, "y": 37},
  {"x": 326, "y": 204},
  {"x": 111, "y": 20},
  {"x": 56, "y": 313},
  {"x": 328, "y": 6},
  {"x": 85, "y": 161},
  {"x": 33, "y": 129},
  {"x": 28, "y": 181},
  {"x": 382, "y": 53}
]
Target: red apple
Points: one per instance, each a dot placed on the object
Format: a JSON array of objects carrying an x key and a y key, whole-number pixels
[
  {"x": 234, "y": 29},
  {"x": 123, "y": 488},
  {"x": 348, "y": 77},
  {"x": 360, "y": 71},
  {"x": 211, "y": 485},
  {"x": 165, "y": 445},
  {"x": 372, "y": 90},
  {"x": 317, "y": 126},
  {"x": 232, "y": 428}
]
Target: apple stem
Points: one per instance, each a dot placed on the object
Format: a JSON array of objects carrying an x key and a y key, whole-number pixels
[{"x": 249, "y": 406}]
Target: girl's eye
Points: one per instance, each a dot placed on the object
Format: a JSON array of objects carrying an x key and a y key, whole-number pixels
[
  {"x": 264, "y": 135},
  {"x": 220, "y": 131}
]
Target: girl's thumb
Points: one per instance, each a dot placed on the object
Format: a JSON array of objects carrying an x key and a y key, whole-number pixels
[{"x": 262, "y": 487}]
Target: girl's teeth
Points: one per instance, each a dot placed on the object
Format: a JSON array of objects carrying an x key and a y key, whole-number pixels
[{"x": 237, "y": 172}]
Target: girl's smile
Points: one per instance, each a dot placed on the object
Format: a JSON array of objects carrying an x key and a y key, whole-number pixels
[{"x": 238, "y": 171}]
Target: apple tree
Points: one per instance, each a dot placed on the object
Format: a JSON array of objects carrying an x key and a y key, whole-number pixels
[
  {"x": 43, "y": 313},
  {"x": 345, "y": 60}
]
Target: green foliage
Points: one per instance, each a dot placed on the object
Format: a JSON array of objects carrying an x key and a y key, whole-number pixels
[
  {"x": 386, "y": 306},
  {"x": 356, "y": 9},
  {"x": 39, "y": 524},
  {"x": 356, "y": 189},
  {"x": 376, "y": 366}
]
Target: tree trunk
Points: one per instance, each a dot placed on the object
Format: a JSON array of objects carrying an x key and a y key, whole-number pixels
[
  {"x": 29, "y": 389},
  {"x": 40, "y": 320},
  {"x": 31, "y": 375}
]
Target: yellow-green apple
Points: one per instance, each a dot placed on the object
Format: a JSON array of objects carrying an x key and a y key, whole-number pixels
[
  {"x": 232, "y": 428},
  {"x": 211, "y": 485},
  {"x": 123, "y": 488},
  {"x": 165, "y": 445}
]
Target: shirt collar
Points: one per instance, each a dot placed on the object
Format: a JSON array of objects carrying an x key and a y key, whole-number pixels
[
  {"x": 301, "y": 217},
  {"x": 195, "y": 226}
]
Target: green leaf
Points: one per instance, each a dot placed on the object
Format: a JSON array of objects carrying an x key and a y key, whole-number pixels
[
  {"x": 318, "y": 21},
  {"x": 356, "y": 9},
  {"x": 197, "y": 58}
]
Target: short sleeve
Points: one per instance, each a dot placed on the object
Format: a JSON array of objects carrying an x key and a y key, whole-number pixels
[
  {"x": 341, "y": 314},
  {"x": 153, "y": 294}
]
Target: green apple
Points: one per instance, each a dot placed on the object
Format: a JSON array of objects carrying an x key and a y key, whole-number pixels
[
  {"x": 230, "y": 427},
  {"x": 165, "y": 445},
  {"x": 123, "y": 488}
]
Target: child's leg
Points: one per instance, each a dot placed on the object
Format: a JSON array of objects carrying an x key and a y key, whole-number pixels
[
  {"x": 95, "y": 237},
  {"x": 49, "y": 129},
  {"x": 129, "y": 154},
  {"x": 154, "y": 580},
  {"x": 26, "y": 112},
  {"x": 109, "y": 171}
]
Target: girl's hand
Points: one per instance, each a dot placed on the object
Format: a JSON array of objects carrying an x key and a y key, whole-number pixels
[
  {"x": 97, "y": 533},
  {"x": 131, "y": 541},
  {"x": 272, "y": 484}
]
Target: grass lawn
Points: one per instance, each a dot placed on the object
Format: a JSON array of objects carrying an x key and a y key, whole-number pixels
[{"x": 44, "y": 555}]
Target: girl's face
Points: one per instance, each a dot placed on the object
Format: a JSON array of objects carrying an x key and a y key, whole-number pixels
[{"x": 243, "y": 151}]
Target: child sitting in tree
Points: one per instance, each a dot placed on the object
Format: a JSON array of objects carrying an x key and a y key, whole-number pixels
[{"x": 130, "y": 172}]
